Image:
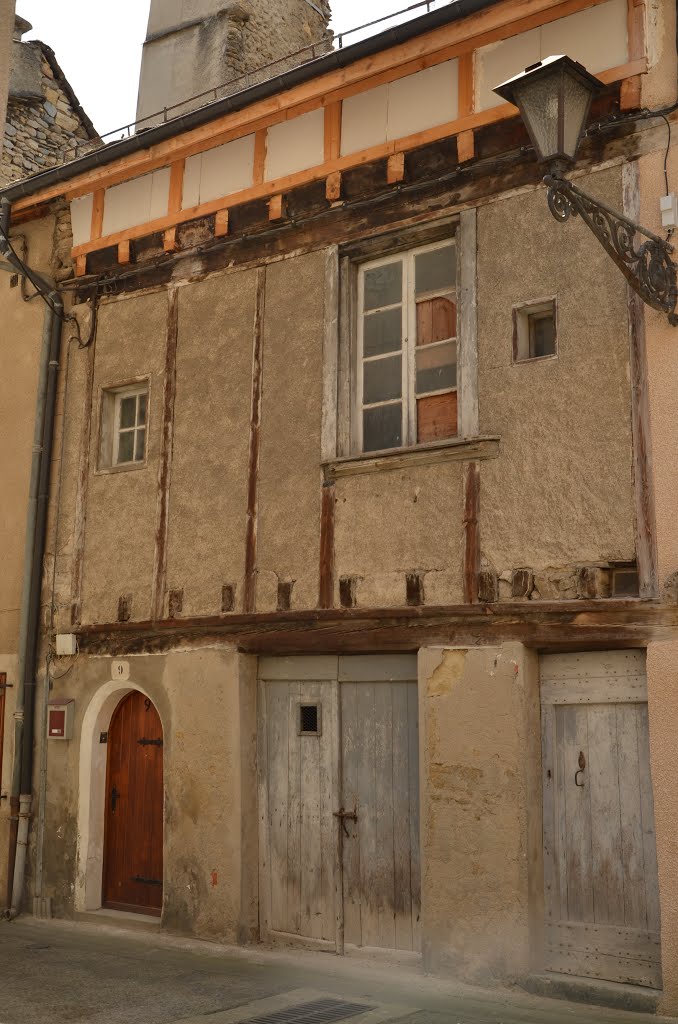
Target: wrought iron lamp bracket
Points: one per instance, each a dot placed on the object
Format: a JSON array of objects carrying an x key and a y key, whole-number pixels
[{"x": 647, "y": 267}]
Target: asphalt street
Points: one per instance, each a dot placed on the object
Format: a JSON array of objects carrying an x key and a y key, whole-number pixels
[{"x": 54, "y": 972}]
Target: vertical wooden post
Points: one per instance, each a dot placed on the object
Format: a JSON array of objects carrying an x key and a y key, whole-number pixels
[
  {"x": 326, "y": 598},
  {"x": 333, "y": 131},
  {"x": 260, "y": 144},
  {"x": 166, "y": 456},
  {"x": 250, "y": 595},
  {"x": 98, "y": 201},
  {"x": 471, "y": 532},
  {"x": 82, "y": 489},
  {"x": 646, "y": 532}
]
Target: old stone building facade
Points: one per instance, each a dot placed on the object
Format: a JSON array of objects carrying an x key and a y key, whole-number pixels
[{"x": 358, "y": 606}]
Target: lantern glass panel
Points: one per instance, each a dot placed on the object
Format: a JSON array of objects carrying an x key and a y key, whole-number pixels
[
  {"x": 539, "y": 101},
  {"x": 576, "y": 102}
]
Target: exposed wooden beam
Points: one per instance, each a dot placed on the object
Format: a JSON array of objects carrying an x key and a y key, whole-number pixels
[
  {"x": 98, "y": 202},
  {"x": 395, "y": 168},
  {"x": 176, "y": 189},
  {"x": 250, "y": 594},
  {"x": 333, "y": 187},
  {"x": 466, "y": 146},
  {"x": 466, "y": 84},
  {"x": 333, "y": 131},
  {"x": 501, "y": 20},
  {"x": 221, "y": 224},
  {"x": 260, "y": 146},
  {"x": 124, "y": 252},
  {"x": 276, "y": 208}
]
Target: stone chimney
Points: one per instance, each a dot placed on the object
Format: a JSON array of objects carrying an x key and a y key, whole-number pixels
[
  {"x": 6, "y": 35},
  {"x": 217, "y": 47}
]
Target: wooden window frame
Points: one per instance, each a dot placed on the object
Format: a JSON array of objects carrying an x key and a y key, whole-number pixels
[
  {"x": 110, "y": 429},
  {"x": 409, "y": 397},
  {"x": 521, "y": 326}
]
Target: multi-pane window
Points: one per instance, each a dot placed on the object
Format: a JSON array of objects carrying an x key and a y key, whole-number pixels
[
  {"x": 407, "y": 349},
  {"x": 129, "y": 435}
]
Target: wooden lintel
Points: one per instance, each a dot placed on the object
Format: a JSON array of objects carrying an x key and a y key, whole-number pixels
[
  {"x": 80, "y": 265},
  {"x": 124, "y": 252},
  {"x": 221, "y": 224},
  {"x": 395, "y": 168},
  {"x": 466, "y": 146},
  {"x": 501, "y": 20},
  {"x": 333, "y": 187},
  {"x": 169, "y": 240},
  {"x": 276, "y": 208}
]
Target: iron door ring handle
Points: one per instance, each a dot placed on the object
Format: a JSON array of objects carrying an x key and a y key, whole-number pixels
[{"x": 580, "y": 771}]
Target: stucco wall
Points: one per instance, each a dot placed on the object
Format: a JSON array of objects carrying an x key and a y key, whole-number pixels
[
  {"x": 393, "y": 523},
  {"x": 289, "y": 461},
  {"x": 481, "y": 810},
  {"x": 562, "y": 492},
  {"x": 206, "y": 540},
  {"x": 210, "y": 846},
  {"x": 121, "y": 506}
]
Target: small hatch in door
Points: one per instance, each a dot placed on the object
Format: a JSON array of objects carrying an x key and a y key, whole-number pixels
[{"x": 310, "y": 719}]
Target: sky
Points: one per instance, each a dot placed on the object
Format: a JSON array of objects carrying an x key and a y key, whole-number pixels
[{"x": 98, "y": 45}]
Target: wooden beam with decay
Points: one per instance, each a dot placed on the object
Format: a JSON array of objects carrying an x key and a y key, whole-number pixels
[
  {"x": 548, "y": 625},
  {"x": 459, "y": 38},
  {"x": 250, "y": 594}
]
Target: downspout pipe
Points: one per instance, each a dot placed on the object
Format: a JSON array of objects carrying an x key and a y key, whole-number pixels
[{"x": 21, "y": 793}]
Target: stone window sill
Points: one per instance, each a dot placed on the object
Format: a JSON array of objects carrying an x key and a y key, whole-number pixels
[{"x": 459, "y": 450}]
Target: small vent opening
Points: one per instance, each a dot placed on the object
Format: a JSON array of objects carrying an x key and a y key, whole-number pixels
[{"x": 309, "y": 719}]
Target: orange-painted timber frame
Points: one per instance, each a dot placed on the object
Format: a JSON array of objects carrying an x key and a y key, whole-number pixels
[{"x": 457, "y": 40}]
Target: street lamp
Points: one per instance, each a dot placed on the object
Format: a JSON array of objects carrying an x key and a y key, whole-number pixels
[{"x": 554, "y": 98}]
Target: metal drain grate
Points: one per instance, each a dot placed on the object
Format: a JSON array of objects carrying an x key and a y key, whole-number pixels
[{"x": 322, "y": 1011}]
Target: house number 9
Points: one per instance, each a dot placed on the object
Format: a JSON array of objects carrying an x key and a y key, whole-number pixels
[{"x": 120, "y": 670}]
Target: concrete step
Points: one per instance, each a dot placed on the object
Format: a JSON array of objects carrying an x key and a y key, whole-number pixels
[
  {"x": 592, "y": 991},
  {"x": 120, "y": 919}
]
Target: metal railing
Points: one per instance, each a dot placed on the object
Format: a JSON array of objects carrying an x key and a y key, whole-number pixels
[{"x": 239, "y": 83}]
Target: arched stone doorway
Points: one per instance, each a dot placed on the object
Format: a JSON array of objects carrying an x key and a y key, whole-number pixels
[{"x": 132, "y": 876}]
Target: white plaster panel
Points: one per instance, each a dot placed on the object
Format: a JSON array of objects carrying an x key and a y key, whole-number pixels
[
  {"x": 81, "y": 219},
  {"x": 295, "y": 145},
  {"x": 597, "y": 38},
  {"x": 192, "y": 173},
  {"x": 136, "y": 202},
  {"x": 423, "y": 101},
  {"x": 364, "y": 120},
  {"x": 227, "y": 169},
  {"x": 499, "y": 61}
]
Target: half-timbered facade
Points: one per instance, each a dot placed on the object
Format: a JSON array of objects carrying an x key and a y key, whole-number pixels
[{"x": 361, "y": 514}]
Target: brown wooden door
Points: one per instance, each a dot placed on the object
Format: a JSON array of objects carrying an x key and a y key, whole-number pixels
[{"x": 133, "y": 867}]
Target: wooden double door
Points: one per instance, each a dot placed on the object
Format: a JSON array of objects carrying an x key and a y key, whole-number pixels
[
  {"x": 600, "y": 861},
  {"x": 133, "y": 841},
  {"x": 339, "y": 801}
]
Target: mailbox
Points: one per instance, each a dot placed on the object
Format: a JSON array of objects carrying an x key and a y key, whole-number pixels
[{"x": 60, "y": 715}]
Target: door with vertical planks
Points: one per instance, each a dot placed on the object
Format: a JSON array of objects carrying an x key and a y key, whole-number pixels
[
  {"x": 600, "y": 861},
  {"x": 133, "y": 859},
  {"x": 339, "y": 801}
]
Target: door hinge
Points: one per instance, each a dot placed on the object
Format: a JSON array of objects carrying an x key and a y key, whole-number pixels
[{"x": 150, "y": 743}]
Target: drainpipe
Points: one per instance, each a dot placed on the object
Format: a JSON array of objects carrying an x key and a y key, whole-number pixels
[{"x": 21, "y": 794}]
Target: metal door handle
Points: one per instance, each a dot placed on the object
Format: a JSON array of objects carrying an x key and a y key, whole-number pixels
[
  {"x": 114, "y": 799},
  {"x": 582, "y": 769},
  {"x": 345, "y": 816}
]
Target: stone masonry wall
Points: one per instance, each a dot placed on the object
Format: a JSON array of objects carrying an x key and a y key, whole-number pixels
[{"x": 41, "y": 133}]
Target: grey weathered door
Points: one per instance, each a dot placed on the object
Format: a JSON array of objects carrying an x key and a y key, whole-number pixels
[
  {"x": 600, "y": 863},
  {"x": 339, "y": 801}
]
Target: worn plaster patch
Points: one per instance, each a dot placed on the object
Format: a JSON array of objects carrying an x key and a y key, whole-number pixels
[{"x": 447, "y": 675}]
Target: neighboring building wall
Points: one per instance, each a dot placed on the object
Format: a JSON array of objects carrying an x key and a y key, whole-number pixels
[
  {"x": 6, "y": 34},
  {"x": 192, "y": 48},
  {"x": 45, "y": 125}
]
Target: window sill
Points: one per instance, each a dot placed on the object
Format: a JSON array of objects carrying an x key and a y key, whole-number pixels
[
  {"x": 458, "y": 450},
  {"x": 126, "y": 467}
]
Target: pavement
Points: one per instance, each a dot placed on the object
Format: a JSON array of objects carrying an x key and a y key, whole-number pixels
[{"x": 54, "y": 971}]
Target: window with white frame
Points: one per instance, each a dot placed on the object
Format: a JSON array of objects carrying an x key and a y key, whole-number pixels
[
  {"x": 124, "y": 422},
  {"x": 406, "y": 386}
]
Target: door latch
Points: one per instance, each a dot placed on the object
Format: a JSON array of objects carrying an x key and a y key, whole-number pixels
[
  {"x": 115, "y": 796},
  {"x": 345, "y": 816},
  {"x": 582, "y": 769}
]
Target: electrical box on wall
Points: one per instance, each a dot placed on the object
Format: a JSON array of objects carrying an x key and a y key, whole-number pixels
[
  {"x": 669, "y": 209},
  {"x": 60, "y": 714},
  {"x": 66, "y": 645}
]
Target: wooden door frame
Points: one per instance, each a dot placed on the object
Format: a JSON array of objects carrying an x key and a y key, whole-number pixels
[{"x": 92, "y": 790}]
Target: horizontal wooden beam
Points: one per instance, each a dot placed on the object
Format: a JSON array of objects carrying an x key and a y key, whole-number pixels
[
  {"x": 553, "y": 625},
  {"x": 502, "y": 20},
  {"x": 267, "y": 189}
]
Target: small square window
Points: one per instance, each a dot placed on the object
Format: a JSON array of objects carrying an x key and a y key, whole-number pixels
[
  {"x": 124, "y": 425},
  {"x": 309, "y": 720},
  {"x": 624, "y": 581},
  {"x": 534, "y": 331}
]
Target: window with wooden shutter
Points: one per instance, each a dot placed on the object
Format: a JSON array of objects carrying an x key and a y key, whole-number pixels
[{"x": 406, "y": 381}]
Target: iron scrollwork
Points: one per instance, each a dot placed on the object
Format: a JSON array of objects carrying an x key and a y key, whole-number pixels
[{"x": 647, "y": 266}]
